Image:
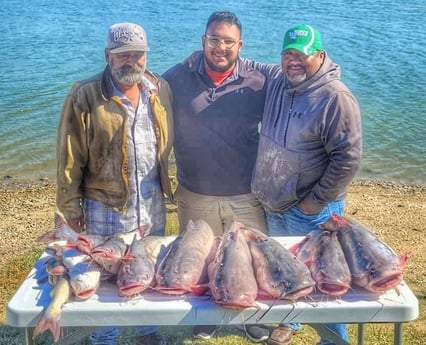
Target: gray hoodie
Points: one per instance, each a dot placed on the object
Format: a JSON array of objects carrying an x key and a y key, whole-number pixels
[{"x": 310, "y": 142}]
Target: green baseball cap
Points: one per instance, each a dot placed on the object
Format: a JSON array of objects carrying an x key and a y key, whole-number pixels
[{"x": 303, "y": 38}]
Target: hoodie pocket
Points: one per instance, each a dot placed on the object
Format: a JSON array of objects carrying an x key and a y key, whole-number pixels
[{"x": 276, "y": 176}]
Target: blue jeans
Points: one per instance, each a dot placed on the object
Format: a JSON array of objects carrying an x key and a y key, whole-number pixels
[
  {"x": 110, "y": 335},
  {"x": 294, "y": 222}
]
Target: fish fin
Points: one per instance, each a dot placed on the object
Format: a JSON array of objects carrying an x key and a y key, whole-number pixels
[
  {"x": 48, "y": 325},
  {"x": 47, "y": 237},
  {"x": 308, "y": 262},
  {"x": 339, "y": 220},
  {"x": 334, "y": 223},
  {"x": 294, "y": 248},
  {"x": 41, "y": 327},
  {"x": 249, "y": 234},
  {"x": 403, "y": 259}
]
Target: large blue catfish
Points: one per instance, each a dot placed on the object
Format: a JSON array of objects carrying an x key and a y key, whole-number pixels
[
  {"x": 84, "y": 278},
  {"x": 183, "y": 268},
  {"x": 232, "y": 282},
  {"x": 323, "y": 254},
  {"x": 373, "y": 264},
  {"x": 279, "y": 273},
  {"x": 109, "y": 253},
  {"x": 137, "y": 271}
]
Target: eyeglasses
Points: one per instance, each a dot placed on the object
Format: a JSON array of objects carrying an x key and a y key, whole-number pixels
[{"x": 215, "y": 42}]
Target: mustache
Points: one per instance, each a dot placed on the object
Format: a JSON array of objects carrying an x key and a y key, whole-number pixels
[
  {"x": 132, "y": 69},
  {"x": 128, "y": 75},
  {"x": 295, "y": 64},
  {"x": 128, "y": 69}
]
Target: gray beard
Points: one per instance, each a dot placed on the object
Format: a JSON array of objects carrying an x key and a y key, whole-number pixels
[
  {"x": 298, "y": 80},
  {"x": 128, "y": 75}
]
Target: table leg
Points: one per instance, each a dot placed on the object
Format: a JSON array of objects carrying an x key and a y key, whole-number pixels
[
  {"x": 29, "y": 336},
  {"x": 397, "y": 333},
  {"x": 360, "y": 334}
]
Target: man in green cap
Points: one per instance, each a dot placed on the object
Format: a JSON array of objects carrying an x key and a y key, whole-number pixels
[{"x": 309, "y": 148}]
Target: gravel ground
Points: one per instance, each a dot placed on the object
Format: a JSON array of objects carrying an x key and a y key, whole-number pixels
[
  {"x": 396, "y": 212},
  {"x": 26, "y": 211}
]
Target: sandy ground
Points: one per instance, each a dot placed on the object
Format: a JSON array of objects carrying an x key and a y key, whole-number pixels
[{"x": 396, "y": 213}]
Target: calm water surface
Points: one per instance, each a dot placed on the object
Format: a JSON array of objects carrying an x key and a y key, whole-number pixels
[{"x": 47, "y": 45}]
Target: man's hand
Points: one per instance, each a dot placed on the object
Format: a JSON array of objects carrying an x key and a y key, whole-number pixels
[
  {"x": 305, "y": 209},
  {"x": 77, "y": 224}
]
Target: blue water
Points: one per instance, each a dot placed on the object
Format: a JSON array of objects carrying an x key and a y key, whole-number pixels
[{"x": 47, "y": 45}]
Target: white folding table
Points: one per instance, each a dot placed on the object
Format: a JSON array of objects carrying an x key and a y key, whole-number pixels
[{"x": 106, "y": 308}]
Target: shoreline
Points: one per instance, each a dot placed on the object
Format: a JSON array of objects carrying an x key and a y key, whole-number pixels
[
  {"x": 27, "y": 209},
  {"x": 8, "y": 182},
  {"x": 27, "y": 206}
]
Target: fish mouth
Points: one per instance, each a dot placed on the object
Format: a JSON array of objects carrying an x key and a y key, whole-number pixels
[
  {"x": 332, "y": 288},
  {"x": 102, "y": 253},
  {"x": 173, "y": 291},
  {"x": 295, "y": 295},
  {"x": 83, "y": 295},
  {"x": 236, "y": 306},
  {"x": 236, "y": 302},
  {"x": 132, "y": 290},
  {"x": 386, "y": 283}
]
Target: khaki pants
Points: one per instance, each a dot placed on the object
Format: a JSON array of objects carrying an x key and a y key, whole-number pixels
[{"x": 219, "y": 211}]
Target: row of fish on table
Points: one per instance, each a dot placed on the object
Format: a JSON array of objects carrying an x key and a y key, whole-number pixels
[{"x": 236, "y": 269}]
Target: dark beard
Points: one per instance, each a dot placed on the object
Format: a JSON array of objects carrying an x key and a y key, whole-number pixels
[{"x": 219, "y": 69}]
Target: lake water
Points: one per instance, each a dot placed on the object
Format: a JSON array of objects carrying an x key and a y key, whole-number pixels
[{"x": 47, "y": 45}]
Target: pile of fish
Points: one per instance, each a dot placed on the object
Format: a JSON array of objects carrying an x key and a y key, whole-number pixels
[
  {"x": 322, "y": 253},
  {"x": 250, "y": 265},
  {"x": 374, "y": 265},
  {"x": 237, "y": 269},
  {"x": 345, "y": 254},
  {"x": 76, "y": 264}
]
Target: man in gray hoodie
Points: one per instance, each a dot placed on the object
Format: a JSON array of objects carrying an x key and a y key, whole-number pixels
[{"x": 310, "y": 147}]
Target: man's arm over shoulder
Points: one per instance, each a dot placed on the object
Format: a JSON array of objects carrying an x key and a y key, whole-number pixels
[{"x": 270, "y": 71}]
